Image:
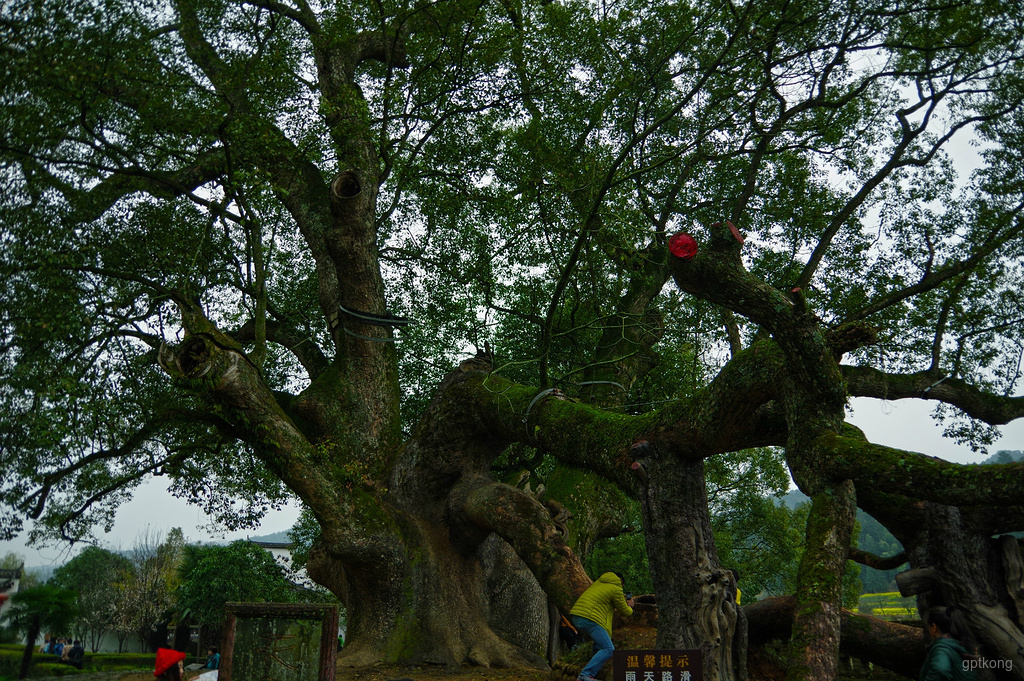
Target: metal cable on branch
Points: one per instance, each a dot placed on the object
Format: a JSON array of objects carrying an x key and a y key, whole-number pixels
[
  {"x": 611, "y": 383},
  {"x": 386, "y": 320},
  {"x": 537, "y": 398}
]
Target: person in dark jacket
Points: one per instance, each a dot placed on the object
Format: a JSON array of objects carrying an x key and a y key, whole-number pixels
[
  {"x": 76, "y": 656},
  {"x": 946, "y": 654}
]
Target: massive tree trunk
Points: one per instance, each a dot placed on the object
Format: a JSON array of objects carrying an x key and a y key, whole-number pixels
[
  {"x": 696, "y": 595},
  {"x": 407, "y": 555},
  {"x": 434, "y": 611}
]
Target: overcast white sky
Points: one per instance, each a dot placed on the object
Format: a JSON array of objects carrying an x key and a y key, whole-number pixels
[
  {"x": 154, "y": 511},
  {"x": 905, "y": 424}
]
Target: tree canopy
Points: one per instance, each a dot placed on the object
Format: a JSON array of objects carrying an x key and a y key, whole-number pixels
[{"x": 246, "y": 243}]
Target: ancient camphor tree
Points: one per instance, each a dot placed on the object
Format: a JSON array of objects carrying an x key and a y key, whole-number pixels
[{"x": 245, "y": 242}]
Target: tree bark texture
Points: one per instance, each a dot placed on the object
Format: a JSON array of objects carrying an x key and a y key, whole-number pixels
[
  {"x": 955, "y": 561},
  {"x": 816, "y": 630},
  {"x": 696, "y": 595}
]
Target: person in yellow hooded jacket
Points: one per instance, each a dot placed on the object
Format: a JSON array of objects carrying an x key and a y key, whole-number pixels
[{"x": 592, "y": 614}]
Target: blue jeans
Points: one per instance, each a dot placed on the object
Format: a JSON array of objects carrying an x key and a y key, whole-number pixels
[{"x": 603, "y": 646}]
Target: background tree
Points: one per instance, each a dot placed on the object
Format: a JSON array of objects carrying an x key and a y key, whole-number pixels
[
  {"x": 94, "y": 575},
  {"x": 211, "y": 576},
  {"x": 145, "y": 604},
  {"x": 29, "y": 578},
  {"x": 41, "y": 608},
  {"x": 755, "y": 533},
  {"x": 227, "y": 215}
]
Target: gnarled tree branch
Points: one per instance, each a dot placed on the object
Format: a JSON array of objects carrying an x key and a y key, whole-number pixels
[{"x": 927, "y": 385}]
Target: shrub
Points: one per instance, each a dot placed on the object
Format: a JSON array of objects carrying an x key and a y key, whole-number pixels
[
  {"x": 52, "y": 669},
  {"x": 10, "y": 661},
  {"x": 112, "y": 662},
  {"x": 42, "y": 665}
]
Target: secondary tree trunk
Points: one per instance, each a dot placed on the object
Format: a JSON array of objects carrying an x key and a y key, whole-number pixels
[
  {"x": 30, "y": 646},
  {"x": 956, "y": 562},
  {"x": 816, "y": 627}
]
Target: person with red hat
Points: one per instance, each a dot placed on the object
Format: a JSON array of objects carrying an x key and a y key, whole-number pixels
[{"x": 169, "y": 664}]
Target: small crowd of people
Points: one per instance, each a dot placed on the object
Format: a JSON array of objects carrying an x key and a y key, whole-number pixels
[
  {"x": 68, "y": 651},
  {"x": 169, "y": 663}
]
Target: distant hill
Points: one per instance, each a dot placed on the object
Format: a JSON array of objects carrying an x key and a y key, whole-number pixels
[
  {"x": 873, "y": 538},
  {"x": 1004, "y": 456},
  {"x": 794, "y": 498},
  {"x": 275, "y": 537}
]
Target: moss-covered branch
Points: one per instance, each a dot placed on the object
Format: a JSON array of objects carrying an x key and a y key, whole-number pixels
[
  {"x": 494, "y": 411},
  {"x": 927, "y": 385},
  {"x": 316, "y": 473},
  {"x": 479, "y": 414},
  {"x": 916, "y": 476},
  {"x": 716, "y": 274}
]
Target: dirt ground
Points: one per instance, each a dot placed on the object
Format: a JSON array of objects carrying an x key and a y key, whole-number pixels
[
  {"x": 627, "y": 636},
  {"x": 396, "y": 673}
]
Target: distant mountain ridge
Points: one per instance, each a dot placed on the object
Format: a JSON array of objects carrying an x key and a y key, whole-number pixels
[{"x": 273, "y": 538}]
